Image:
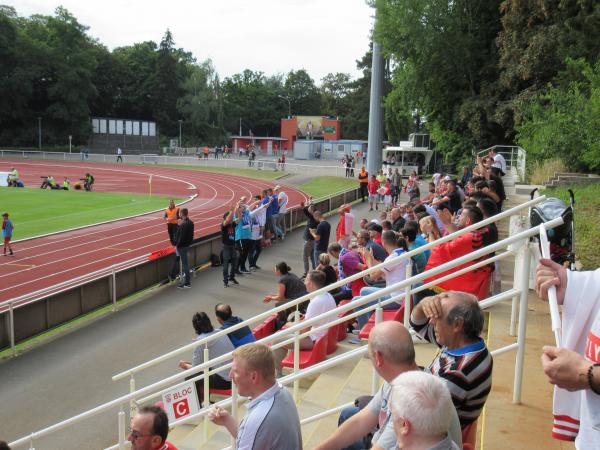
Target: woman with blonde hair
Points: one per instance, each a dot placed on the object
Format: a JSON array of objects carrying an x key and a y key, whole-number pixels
[{"x": 429, "y": 229}]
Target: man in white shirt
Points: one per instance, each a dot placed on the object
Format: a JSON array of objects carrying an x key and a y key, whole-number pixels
[
  {"x": 282, "y": 200},
  {"x": 272, "y": 421},
  {"x": 499, "y": 161},
  {"x": 318, "y": 305},
  {"x": 393, "y": 274}
]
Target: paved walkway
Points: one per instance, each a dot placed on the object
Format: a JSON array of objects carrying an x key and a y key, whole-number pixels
[{"x": 73, "y": 373}]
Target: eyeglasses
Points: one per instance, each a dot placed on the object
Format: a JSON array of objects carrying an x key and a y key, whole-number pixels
[{"x": 136, "y": 434}]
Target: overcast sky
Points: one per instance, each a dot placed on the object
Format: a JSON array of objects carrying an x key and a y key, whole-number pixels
[{"x": 273, "y": 36}]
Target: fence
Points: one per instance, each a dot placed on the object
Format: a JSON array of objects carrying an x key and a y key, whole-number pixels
[
  {"x": 517, "y": 244},
  {"x": 26, "y": 316},
  {"x": 232, "y": 163}
]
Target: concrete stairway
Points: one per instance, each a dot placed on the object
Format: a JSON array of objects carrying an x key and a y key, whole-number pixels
[{"x": 568, "y": 179}]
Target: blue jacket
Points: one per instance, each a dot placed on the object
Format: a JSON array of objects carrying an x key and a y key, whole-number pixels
[
  {"x": 243, "y": 230},
  {"x": 238, "y": 337}
]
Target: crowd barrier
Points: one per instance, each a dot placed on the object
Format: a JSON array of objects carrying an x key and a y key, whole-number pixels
[
  {"x": 516, "y": 245},
  {"x": 29, "y": 315}
]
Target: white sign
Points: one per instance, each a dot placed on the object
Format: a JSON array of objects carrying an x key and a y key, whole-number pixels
[
  {"x": 4, "y": 179},
  {"x": 181, "y": 401}
]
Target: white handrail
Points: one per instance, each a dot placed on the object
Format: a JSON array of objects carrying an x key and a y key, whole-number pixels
[
  {"x": 335, "y": 285},
  {"x": 526, "y": 234}
]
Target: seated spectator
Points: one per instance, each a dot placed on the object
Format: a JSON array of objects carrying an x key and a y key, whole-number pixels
[
  {"x": 88, "y": 182},
  {"x": 149, "y": 430},
  {"x": 433, "y": 213},
  {"x": 363, "y": 238},
  {"x": 66, "y": 184},
  {"x": 420, "y": 260},
  {"x": 392, "y": 353},
  {"x": 272, "y": 421},
  {"x": 325, "y": 267},
  {"x": 397, "y": 219},
  {"x": 217, "y": 347},
  {"x": 226, "y": 318},
  {"x": 375, "y": 231},
  {"x": 318, "y": 305},
  {"x": 451, "y": 200},
  {"x": 349, "y": 263},
  {"x": 47, "y": 182},
  {"x": 475, "y": 282},
  {"x": 386, "y": 225},
  {"x": 392, "y": 274},
  {"x": 421, "y": 412},
  {"x": 430, "y": 229},
  {"x": 453, "y": 321},
  {"x": 290, "y": 287}
]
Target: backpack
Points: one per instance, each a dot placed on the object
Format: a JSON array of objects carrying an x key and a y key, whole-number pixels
[{"x": 215, "y": 260}]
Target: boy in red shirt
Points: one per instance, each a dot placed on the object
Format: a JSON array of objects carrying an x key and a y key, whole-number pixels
[{"x": 372, "y": 187}]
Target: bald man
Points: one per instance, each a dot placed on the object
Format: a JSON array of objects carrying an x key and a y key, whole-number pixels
[
  {"x": 392, "y": 353},
  {"x": 454, "y": 321}
]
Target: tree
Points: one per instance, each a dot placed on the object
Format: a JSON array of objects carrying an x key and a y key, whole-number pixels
[
  {"x": 335, "y": 88},
  {"x": 303, "y": 93}
]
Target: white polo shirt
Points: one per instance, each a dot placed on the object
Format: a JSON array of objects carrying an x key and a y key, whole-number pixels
[{"x": 320, "y": 304}]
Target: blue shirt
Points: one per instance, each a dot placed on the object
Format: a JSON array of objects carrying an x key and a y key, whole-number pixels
[
  {"x": 7, "y": 229},
  {"x": 243, "y": 230},
  {"x": 240, "y": 336},
  {"x": 273, "y": 207}
]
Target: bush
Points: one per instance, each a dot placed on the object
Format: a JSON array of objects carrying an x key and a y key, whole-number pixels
[{"x": 541, "y": 171}]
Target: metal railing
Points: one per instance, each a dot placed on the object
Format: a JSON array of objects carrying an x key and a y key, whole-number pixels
[
  {"x": 295, "y": 330},
  {"x": 328, "y": 168},
  {"x": 515, "y": 156}
]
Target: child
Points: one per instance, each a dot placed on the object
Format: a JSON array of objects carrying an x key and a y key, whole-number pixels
[
  {"x": 387, "y": 196},
  {"x": 7, "y": 230}
]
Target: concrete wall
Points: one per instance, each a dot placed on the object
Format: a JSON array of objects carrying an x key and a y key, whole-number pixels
[{"x": 42, "y": 315}]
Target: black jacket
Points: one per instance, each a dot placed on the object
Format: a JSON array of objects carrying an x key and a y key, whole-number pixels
[{"x": 185, "y": 233}]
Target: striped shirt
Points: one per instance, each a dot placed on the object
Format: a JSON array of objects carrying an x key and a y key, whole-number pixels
[{"x": 467, "y": 372}]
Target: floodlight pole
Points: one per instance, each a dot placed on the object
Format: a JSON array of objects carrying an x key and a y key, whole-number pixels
[
  {"x": 374, "y": 148},
  {"x": 70, "y": 139},
  {"x": 180, "y": 121},
  {"x": 289, "y": 105},
  {"x": 39, "y": 133}
]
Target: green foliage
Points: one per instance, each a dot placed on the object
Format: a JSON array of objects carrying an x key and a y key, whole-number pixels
[
  {"x": 564, "y": 122},
  {"x": 303, "y": 93}
]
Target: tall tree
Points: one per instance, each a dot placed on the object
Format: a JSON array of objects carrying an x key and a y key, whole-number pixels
[{"x": 303, "y": 93}]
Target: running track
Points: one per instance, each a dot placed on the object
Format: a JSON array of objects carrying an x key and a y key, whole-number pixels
[{"x": 45, "y": 261}]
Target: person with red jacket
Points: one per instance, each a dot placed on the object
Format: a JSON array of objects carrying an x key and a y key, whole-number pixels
[
  {"x": 373, "y": 187},
  {"x": 476, "y": 282}
]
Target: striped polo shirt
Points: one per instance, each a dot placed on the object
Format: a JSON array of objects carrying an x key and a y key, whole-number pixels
[{"x": 467, "y": 372}]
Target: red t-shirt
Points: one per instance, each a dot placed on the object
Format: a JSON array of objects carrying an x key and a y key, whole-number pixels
[{"x": 373, "y": 186}]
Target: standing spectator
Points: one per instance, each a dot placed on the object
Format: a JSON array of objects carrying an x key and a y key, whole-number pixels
[
  {"x": 392, "y": 353},
  {"x": 230, "y": 256},
  {"x": 217, "y": 150},
  {"x": 309, "y": 241},
  {"x": 321, "y": 235},
  {"x": 352, "y": 165},
  {"x": 453, "y": 321},
  {"x": 387, "y": 195},
  {"x": 258, "y": 227},
  {"x": 272, "y": 210},
  {"x": 422, "y": 412},
  {"x": 226, "y": 318},
  {"x": 574, "y": 368},
  {"x": 183, "y": 240},
  {"x": 243, "y": 234},
  {"x": 283, "y": 162},
  {"x": 499, "y": 161},
  {"x": 7, "y": 232},
  {"x": 318, "y": 305},
  {"x": 282, "y": 200},
  {"x": 205, "y": 151},
  {"x": 272, "y": 421},
  {"x": 149, "y": 430},
  {"x": 217, "y": 347},
  {"x": 363, "y": 181},
  {"x": 396, "y": 186},
  {"x": 373, "y": 187},
  {"x": 289, "y": 287},
  {"x": 348, "y": 165},
  {"x": 172, "y": 218},
  {"x": 466, "y": 176},
  {"x": 119, "y": 154}
]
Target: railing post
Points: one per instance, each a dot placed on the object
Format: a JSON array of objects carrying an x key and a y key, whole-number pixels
[
  {"x": 31, "y": 447},
  {"x": 329, "y": 204},
  {"x": 132, "y": 403},
  {"x": 407, "y": 294},
  {"x": 11, "y": 324},
  {"x": 206, "y": 393},
  {"x": 526, "y": 258},
  {"x": 296, "y": 354},
  {"x": 234, "y": 408},
  {"x": 113, "y": 276},
  {"x": 121, "y": 421},
  {"x": 375, "y": 379}
]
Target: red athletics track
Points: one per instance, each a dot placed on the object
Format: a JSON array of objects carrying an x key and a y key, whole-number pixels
[{"x": 45, "y": 261}]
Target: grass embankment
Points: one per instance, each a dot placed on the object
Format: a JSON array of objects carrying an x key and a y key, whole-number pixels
[
  {"x": 264, "y": 174},
  {"x": 36, "y": 211},
  {"x": 587, "y": 218},
  {"x": 322, "y": 186}
]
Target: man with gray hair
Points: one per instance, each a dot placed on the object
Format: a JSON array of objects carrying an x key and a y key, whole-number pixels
[
  {"x": 453, "y": 321},
  {"x": 422, "y": 412},
  {"x": 392, "y": 353}
]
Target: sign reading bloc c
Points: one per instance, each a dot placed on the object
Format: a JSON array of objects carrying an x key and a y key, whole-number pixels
[{"x": 181, "y": 401}]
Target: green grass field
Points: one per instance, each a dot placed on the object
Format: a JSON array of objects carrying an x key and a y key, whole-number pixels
[
  {"x": 268, "y": 175},
  {"x": 36, "y": 211},
  {"x": 587, "y": 217},
  {"x": 322, "y": 186}
]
